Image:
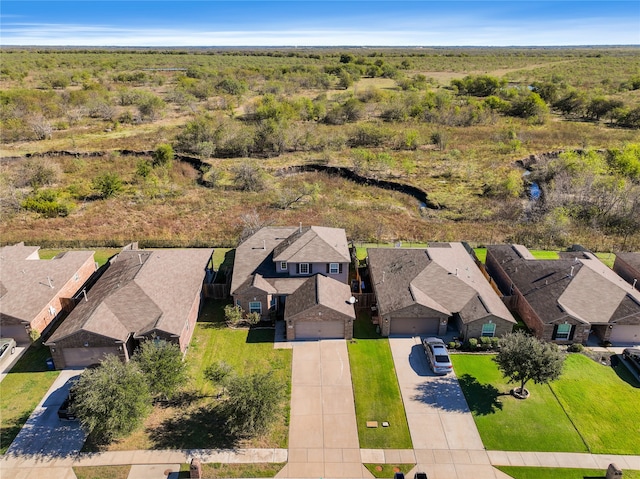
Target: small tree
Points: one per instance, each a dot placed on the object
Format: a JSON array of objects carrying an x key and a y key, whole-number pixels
[
  {"x": 163, "y": 155},
  {"x": 111, "y": 400},
  {"x": 254, "y": 402},
  {"x": 161, "y": 362},
  {"x": 523, "y": 358},
  {"x": 108, "y": 184}
]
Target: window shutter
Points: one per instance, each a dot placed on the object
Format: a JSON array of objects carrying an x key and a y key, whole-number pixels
[
  {"x": 297, "y": 268},
  {"x": 555, "y": 331},
  {"x": 328, "y": 266},
  {"x": 573, "y": 330},
  {"x": 340, "y": 268}
]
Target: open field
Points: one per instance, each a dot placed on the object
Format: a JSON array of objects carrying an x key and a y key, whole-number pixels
[
  {"x": 404, "y": 116},
  {"x": 589, "y": 409}
]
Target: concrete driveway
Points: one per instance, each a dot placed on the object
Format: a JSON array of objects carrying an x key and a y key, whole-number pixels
[
  {"x": 323, "y": 435},
  {"x": 437, "y": 412},
  {"x": 44, "y": 434}
]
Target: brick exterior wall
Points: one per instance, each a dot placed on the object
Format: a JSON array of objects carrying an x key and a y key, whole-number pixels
[
  {"x": 250, "y": 295},
  {"x": 71, "y": 287},
  {"x": 474, "y": 329},
  {"x": 627, "y": 272},
  {"x": 190, "y": 324},
  {"x": 327, "y": 315}
]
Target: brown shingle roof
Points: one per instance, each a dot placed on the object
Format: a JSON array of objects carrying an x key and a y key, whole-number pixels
[
  {"x": 141, "y": 291},
  {"x": 315, "y": 244},
  {"x": 28, "y": 283},
  {"x": 578, "y": 284},
  {"x": 443, "y": 278},
  {"x": 632, "y": 259},
  {"x": 320, "y": 290}
]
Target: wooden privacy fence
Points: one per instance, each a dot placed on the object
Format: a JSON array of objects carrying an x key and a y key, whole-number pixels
[
  {"x": 215, "y": 290},
  {"x": 364, "y": 301}
]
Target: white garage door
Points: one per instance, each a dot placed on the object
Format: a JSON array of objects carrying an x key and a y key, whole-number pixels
[
  {"x": 625, "y": 334},
  {"x": 319, "y": 329},
  {"x": 414, "y": 326},
  {"x": 17, "y": 332},
  {"x": 83, "y": 357}
]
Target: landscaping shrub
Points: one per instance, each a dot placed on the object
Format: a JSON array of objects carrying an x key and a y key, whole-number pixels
[
  {"x": 472, "y": 344},
  {"x": 485, "y": 342},
  {"x": 575, "y": 348}
]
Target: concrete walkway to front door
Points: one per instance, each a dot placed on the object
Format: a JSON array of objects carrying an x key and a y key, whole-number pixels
[{"x": 323, "y": 435}]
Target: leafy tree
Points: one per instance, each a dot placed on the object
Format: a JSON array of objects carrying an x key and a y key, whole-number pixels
[
  {"x": 163, "y": 155},
  {"x": 236, "y": 316},
  {"x": 162, "y": 365},
  {"x": 600, "y": 107},
  {"x": 478, "y": 85},
  {"x": 248, "y": 177},
  {"x": 530, "y": 106},
  {"x": 523, "y": 358},
  {"x": 232, "y": 86},
  {"x": 112, "y": 400},
  {"x": 254, "y": 402},
  {"x": 218, "y": 372},
  {"x": 108, "y": 184}
]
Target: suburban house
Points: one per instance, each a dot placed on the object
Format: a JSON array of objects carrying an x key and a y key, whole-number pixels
[
  {"x": 627, "y": 265},
  {"x": 422, "y": 292},
  {"x": 564, "y": 300},
  {"x": 34, "y": 291},
  {"x": 143, "y": 294},
  {"x": 299, "y": 275}
]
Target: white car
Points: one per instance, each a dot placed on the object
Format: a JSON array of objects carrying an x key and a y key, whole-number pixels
[
  {"x": 7, "y": 347},
  {"x": 437, "y": 355}
]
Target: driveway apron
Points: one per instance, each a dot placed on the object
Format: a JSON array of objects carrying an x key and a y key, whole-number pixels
[
  {"x": 323, "y": 435},
  {"x": 44, "y": 434}
]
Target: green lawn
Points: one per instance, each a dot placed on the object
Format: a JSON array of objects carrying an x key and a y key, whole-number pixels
[
  {"x": 102, "y": 472},
  {"x": 560, "y": 473},
  {"x": 217, "y": 470},
  {"x": 388, "y": 470},
  {"x": 481, "y": 253},
  {"x": 376, "y": 392},
  {"x": 101, "y": 255},
  {"x": 21, "y": 391},
  {"x": 607, "y": 258},
  {"x": 601, "y": 409}
]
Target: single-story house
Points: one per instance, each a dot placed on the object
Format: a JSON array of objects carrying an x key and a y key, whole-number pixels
[
  {"x": 34, "y": 291},
  {"x": 420, "y": 292},
  {"x": 275, "y": 262},
  {"x": 627, "y": 265},
  {"x": 564, "y": 300},
  {"x": 143, "y": 294}
]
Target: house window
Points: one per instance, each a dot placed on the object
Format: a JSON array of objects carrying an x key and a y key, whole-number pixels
[
  {"x": 255, "y": 307},
  {"x": 283, "y": 265},
  {"x": 304, "y": 268},
  {"x": 238, "y": 303},
  {"x": 489, "y": 329},
  {"x": 563, "y": 331},
  {"x": 334, "y": 268}
]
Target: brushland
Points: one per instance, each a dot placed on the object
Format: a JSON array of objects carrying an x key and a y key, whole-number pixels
[{"x": 180, "y": 147}]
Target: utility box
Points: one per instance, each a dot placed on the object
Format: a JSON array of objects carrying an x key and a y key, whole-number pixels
[
  {"x": 195, "y": 469},
  {"x": 613, "y": 472}
]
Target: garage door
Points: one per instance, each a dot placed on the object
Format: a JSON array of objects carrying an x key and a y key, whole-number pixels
[
  {"x": 17, "y": 332},
  {"x": 83, "y": 357},
  {"x": 414, "y": 326},
  {"x": 625, "y": 334},
  {"x": 319, "y": 329}
]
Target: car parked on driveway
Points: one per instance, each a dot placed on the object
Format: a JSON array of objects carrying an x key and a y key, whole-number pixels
[
  {"x": 7, "y": 347},
  {"x": 632, "y": 355},
  {"x": 437, "y": 355}
]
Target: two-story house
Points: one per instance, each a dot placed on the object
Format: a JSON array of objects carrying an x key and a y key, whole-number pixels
[{"x": 305, "y": 267}]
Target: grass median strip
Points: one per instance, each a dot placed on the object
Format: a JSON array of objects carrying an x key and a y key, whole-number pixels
[
  {"x": 377, "y": 394},
  {"x": 560, "y": 473},
  {"x": 101, "y": 472}
]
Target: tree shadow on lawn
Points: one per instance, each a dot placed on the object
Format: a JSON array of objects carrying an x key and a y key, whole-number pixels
[
  {"x": 623, "y": 371},
  {"x": 483, "y": 399},
  {"x": 203, "y": 428},
  {"x": 444, "y": 393},
  {"x": 260, "y": 335}
]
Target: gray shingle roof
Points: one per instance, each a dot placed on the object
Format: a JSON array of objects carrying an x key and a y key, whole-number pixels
[
  {"x": 443, "y": 277},
  {"x": 260, "y": 252},
  {"x": 578, "y": 284},
  {"x": 632, "y": 259},
  {"x": 141, "y": 291},
  {"x": 28, "y": 284}
]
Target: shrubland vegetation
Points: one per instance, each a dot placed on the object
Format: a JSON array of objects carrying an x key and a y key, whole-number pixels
[{"x": 451, "y": 122}]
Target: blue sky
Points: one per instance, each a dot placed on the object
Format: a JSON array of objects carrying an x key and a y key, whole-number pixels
[{"x": 319, "y": 23}]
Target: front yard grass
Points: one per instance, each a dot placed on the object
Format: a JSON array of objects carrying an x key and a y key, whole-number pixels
[
  {"x": 194, "y": 420},
  {"x": 217, "y": 470},
  {"x": 21, "y": 391},
  {"x": 560, "y": 473},
  {"x": 376, "y": 392},
  {"x": 589, "y": 409},
  {"x": 388, "y": 470},
  {"x": 101, "y": 472}
]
